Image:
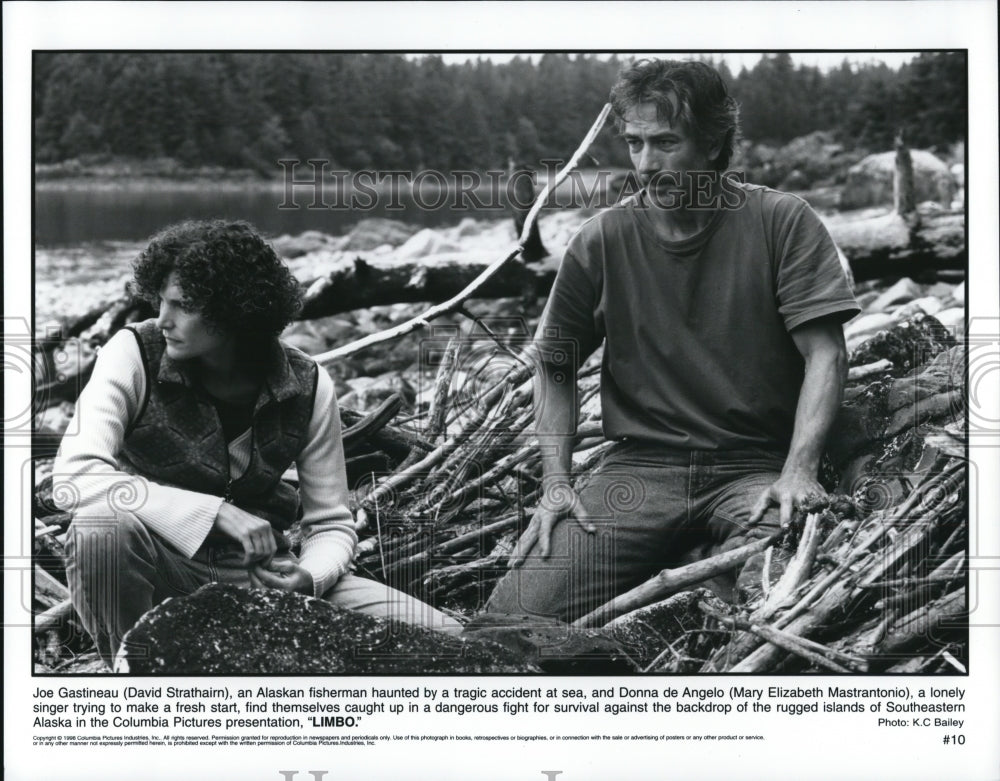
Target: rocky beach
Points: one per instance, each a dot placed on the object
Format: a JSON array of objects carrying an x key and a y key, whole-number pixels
[{"x": 902, "y": 416}]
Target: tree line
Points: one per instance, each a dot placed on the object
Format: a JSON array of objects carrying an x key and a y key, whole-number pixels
[{"x": 385, "y": 111}]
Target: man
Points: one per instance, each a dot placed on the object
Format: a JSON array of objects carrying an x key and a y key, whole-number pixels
[{"x": 720, "y": 305}]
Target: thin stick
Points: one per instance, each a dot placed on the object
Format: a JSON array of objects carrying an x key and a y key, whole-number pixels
[
  {"x": 862, "y": 550},
  {"x": 468, "y": 491},
  {"x": 497, "y": 339},
  {"x": 765, "y": 575},
  {"x": 454, "y": 303},
  {"x": 937, "y": 577},
  {"x": 796, "y": 573},
  {"x": 439, "y": 404},
  {"x": 378, "y": 531},
  {"x": 550, "y": 186},
  {"x": 659, "y": 657}
]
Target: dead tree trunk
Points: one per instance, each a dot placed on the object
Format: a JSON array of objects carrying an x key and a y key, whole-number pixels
[
  {"x": 892, "y": 245},
  {"x": 904, "y": 190}
]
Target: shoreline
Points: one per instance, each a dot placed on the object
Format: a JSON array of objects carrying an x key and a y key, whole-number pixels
[{"x": 118, "y": 178}]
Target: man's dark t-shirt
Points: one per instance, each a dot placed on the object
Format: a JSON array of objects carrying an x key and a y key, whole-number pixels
[{"x": 698, "y": 354}]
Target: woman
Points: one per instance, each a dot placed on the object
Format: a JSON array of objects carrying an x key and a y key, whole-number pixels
[{"x": 185, "y": 429}]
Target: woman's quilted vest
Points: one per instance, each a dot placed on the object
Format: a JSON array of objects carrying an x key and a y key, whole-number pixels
[{"x": 177, "y": 438}]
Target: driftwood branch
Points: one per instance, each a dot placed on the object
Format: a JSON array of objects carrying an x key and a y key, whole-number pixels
[
  {"x": 454, "y": 303},
  {"x": 670, "y": 581},
  {"x": 396, "y": 481}
]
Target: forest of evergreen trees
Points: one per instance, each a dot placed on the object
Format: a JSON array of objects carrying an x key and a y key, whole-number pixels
[{"x": 383, "y": 111}]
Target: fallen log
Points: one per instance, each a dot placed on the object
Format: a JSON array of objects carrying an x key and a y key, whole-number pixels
[
  {"x": 875, "y": 247},
  {"x": 54, "y": 617},
  {"x": 916, "y": 627},
  {"x": 48, "y": 590},
  {"x": 364, "y": 434},
  {"x": 372, "y": 282},
  {"x": 888, "y": 245}
]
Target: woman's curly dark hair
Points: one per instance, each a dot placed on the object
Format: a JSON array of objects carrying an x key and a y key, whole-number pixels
[
  {"x": 685, "y": 90},
  {"x": 226, "y": 272}
]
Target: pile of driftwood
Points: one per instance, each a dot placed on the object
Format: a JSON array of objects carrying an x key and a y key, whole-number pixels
[
  {"x": 876, "y": 583},
  {"x": 885, "y": 593},
  {"x": 443, "y": 522}
]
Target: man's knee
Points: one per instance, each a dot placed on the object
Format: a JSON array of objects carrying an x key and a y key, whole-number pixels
[{"x": 529, "y": 591}]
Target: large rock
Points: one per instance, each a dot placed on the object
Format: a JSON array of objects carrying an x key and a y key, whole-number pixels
[
  {"x": 305, "y": 243},
  {"x": 909, "y": 344},
  {"x": 958, "y": 174},
  {"x": 953, "y": 319},
  {"x": 425, "y": 243},
  {"x": 870, "y": 182},
  {"x": 376, "y": 231},
  {"x": 305, "y": 336},
  {"x": 803, "y": 162},
  {"x": 224, "y": 630},
  {"x": 927, "y": 305}
]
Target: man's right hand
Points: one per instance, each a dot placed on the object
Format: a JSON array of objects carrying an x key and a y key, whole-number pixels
[
  {"x": 559, "y": 500},
  {"x": 250, "y": 531}
]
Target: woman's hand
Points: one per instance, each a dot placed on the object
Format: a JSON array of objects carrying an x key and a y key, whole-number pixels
[
  {"x": 250, "y": 531},
  {"x": 283, "y": 575}
]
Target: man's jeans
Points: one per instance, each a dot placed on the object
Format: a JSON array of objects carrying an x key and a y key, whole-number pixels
[
  {"x": 654, "y": 508},
  {"x": 118, "y": 570}
]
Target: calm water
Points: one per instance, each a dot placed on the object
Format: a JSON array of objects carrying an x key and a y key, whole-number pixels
[{"x": 77, "y": 215}]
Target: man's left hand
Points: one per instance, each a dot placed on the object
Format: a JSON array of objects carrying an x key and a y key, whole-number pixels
[
  {"x": 282, "y": 575},
  {"x": 789, "y": 492}
]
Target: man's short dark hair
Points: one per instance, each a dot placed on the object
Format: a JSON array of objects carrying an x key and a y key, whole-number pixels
[
  {"x": 226, "y": 271},
  {"x": 690, "y": 92}
]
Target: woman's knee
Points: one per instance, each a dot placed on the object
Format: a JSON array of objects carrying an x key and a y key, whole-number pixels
[{"x": 382, "y": 601}]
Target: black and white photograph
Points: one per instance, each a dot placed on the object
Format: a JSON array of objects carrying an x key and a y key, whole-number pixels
[
  {"x": 542, "y": 389},
  {"x": 708, "y": 415}
]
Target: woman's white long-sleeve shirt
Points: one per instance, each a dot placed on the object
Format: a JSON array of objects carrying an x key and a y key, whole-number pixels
[{"x": 89, "y": 483}]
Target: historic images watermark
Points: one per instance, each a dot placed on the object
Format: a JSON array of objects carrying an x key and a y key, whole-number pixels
[{"x": 315, "y": 184}]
